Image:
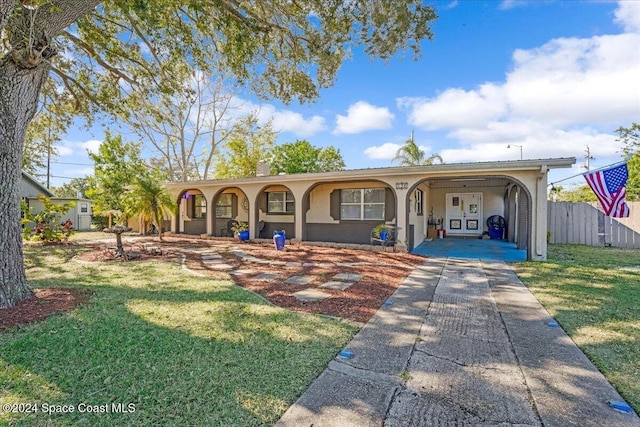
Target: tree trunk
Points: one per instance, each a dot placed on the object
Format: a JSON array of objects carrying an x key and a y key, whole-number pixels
[{"x": 19, "y": 91}]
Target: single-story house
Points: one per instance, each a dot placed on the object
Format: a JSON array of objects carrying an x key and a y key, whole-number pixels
[
  {"x": 344, "y": 206},
  {"x": 80, "y": 214}
]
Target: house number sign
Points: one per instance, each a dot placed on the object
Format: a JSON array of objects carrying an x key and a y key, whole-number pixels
[{"x": 402, "y": 185}]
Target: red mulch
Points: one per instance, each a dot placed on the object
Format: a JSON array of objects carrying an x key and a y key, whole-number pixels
[
  {"x": 43, "y": 304},
  {"x": 382, "y": 273}
]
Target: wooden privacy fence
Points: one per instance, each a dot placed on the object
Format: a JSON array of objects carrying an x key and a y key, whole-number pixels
[{"x": 586, "y": 224}]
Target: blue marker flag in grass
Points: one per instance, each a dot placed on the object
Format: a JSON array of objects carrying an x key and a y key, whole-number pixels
[{"x": 620, "y": 406}]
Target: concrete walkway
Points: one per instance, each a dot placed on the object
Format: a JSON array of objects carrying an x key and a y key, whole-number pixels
[{"x": 460, "y": 343}]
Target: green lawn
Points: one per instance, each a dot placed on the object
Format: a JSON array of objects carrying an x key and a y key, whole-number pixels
[
  {"x": 594, "y": 293},
  {"x": 183, "y": 349}
]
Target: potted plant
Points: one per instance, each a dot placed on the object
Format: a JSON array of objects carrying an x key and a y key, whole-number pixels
[
  {"x": 241, "y": 229},
  {"x": 381, "y": 231}
]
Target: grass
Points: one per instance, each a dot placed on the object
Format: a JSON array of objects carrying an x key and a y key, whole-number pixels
[
  {"x": 594, "y": 294},
  {"x": 183, "y": 349}
]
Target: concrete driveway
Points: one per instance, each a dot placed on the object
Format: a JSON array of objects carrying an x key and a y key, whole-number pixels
[{"x": 461, "y": 343}]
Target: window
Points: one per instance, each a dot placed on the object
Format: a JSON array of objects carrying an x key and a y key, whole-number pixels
[
  {"x": 362, "y": 204},
  {"x": 280, "y": 202},
  {"x": 199, "y": 206},
  {"x": 83, "y": 208},
  {"x": 419, "y": 198},
  {"x": 223, "y": 206}
]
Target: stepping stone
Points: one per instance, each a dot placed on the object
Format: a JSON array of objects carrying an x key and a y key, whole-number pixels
[
  {"x": 241, "y": 272},
  {"x": 349, "y": 277},
  {"x": 213, "y": 261},
  {"x": 337, "y": 285},
  {"x": 219, "y": 266},
  {"x": 208, "y": 257},
  {"x": 293, "y": 264},
  {"x": 311, "y": 295},
  {"x": 299, "y": 280},
  {"x": 309, "y": 264},
  {"x": 267, "y": 276},
  {"x": 345, "y": 264},
  {"x": 325, "y": 264}
]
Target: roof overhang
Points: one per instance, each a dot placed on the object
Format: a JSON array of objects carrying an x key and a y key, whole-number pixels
[{"x": 447, "y": 170}]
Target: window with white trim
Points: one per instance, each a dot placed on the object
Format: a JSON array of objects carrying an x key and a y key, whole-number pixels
[
  {"x": 362, "y": 204},
  {"x": 419, "y": 198},
  {"x": 280, "y": 202}
]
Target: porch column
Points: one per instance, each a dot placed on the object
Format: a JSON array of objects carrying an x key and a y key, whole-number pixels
[
  {"x": 539, "y": 228},
  {"x": 211, "y": 212},
  {"x": 298, "y": 190},
  {"x": 402, "y": 216}
]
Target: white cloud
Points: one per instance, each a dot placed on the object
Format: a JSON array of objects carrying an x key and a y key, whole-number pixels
[
  {"x": 289, "y": 121},
  {"x": 554, "y": 101},
  {"x": 537, "y": 141},
  {"x": 92, "y": 145},
  {"x": 386, "y": 151},
  {"x": 64, "y": 150},
  {"x": 363, "y": 116},
  {"x": 283, "y": 120},
  {"x": 628, "y": 15},
  {"x": 456, "y": 107},
  {"x": 510, "y": 4}
]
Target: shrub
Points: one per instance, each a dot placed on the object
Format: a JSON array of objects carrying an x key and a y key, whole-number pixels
[{"x": 48, "y": 227}]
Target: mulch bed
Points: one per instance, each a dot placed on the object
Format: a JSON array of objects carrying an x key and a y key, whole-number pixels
[
  {"x": 43, "y": 304},
  {"x": 382, "y": 273}
]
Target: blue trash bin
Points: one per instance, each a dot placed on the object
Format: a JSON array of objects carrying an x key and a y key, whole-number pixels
[
  {"x": 496, "y": 225},
  {"x": 278, "y": 239}
]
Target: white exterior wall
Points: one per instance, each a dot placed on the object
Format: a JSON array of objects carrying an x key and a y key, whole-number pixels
[
  {"x": 81, "y": 220},
  {"x": 419, "y": 222}
]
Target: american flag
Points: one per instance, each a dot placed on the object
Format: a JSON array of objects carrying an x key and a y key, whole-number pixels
[{"x": 609, "y": 185}]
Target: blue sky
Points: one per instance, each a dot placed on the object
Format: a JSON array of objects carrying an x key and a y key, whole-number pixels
[{"x": 551, "y": 76}]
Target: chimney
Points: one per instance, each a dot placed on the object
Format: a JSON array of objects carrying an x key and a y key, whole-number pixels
[{"x": 263, "y": 169}]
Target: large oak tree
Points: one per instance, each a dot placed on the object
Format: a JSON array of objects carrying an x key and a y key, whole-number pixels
[{"x": 114, "y": 55}]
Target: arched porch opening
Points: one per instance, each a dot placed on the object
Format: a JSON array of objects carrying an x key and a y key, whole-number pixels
[
  {"x": 275, "y": 210},
  {"x": 346, "y": 211},
  {"x": 460, "y": 206},
  {"x": 231, "y": 205},
  {"x": 192, "y": 212}
]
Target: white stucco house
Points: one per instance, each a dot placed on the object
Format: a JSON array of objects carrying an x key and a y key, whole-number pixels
[{"x": 345, "y": 206}]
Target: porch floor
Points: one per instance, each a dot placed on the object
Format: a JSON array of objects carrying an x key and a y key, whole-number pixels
[{"x": 490, "y": 249}]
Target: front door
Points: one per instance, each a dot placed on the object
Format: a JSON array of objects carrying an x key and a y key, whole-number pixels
[{"x": 464, "y": 213}]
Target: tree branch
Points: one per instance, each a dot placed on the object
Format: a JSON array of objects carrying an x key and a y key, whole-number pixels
[
  {"x": 88, "y": 49},
  {"x": 68, "y": 81}
]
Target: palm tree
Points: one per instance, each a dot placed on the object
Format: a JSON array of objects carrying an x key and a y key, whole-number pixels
[
  {"x": 411, "y": 155},
  {"x": 150, "y": 200}
]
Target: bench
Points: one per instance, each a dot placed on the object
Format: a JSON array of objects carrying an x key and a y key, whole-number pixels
[{"x": 390, "y": 240}]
